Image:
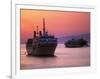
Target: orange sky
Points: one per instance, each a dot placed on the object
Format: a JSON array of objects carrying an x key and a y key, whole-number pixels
[{"x": 57, "y": 23}]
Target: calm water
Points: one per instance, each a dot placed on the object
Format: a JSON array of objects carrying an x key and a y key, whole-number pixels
[{"x": 65, "y": 57}]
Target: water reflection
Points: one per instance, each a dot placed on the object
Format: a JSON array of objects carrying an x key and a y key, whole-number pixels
[{"x": 65, "y": 57}]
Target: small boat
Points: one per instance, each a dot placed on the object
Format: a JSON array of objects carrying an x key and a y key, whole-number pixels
[{"x": 76, "y": 43}]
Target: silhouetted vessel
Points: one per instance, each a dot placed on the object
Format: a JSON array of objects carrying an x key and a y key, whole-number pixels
[
  {"x": 76, "y": 43},
  {"x": 41, "y": 44}
]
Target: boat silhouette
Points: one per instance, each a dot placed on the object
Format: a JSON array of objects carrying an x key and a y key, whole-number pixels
[
  {"x": 76, "y": 43},
  {"x": 42, "y": 44}
]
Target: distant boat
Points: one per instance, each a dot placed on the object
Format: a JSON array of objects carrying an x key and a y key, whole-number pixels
[
  {"x": 76, "y": 43},
  {"x": 41, "y": 44}
]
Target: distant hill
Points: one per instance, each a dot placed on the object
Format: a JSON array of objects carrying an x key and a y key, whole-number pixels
[{"x": 65, "y": 38}]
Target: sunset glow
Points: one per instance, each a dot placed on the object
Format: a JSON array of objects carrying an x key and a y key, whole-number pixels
[{"x": 58, "y": 23}]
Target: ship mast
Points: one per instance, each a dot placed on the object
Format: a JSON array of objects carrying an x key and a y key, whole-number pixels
[
  {"x": 37, "y": 31},
  {"x": 43, "y": 25}
]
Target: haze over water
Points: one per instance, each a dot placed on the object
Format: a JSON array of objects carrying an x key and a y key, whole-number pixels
[{"x": 65, "y": 57}]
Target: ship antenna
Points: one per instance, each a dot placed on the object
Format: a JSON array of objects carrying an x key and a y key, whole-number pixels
[
  {"x": 44, "y": 25},
  {"x": 37, "y": 30}
]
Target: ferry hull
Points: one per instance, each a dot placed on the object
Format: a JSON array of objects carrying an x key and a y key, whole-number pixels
[{"x": 42, "y": 50}]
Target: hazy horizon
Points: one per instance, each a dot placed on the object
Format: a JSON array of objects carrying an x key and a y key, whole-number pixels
[{"x": 65, "y": 38}]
